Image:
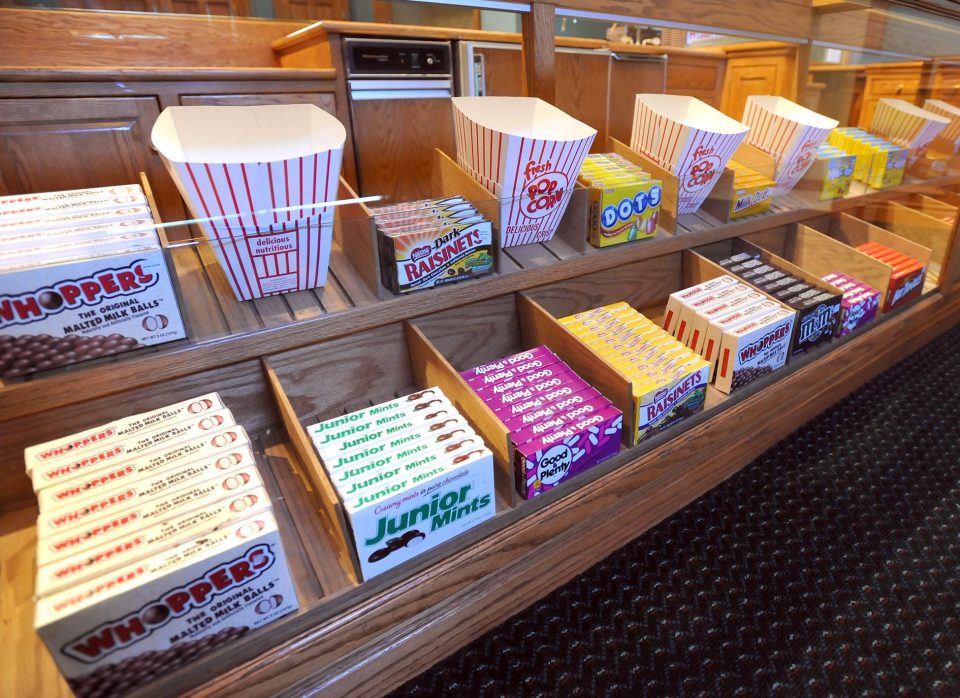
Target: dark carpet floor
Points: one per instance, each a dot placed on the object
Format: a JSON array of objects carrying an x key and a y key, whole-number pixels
[{"x": 828, "y": 566}]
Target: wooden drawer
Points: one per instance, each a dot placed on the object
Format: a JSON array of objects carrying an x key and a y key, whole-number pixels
[{"x": 893, "y": 85}]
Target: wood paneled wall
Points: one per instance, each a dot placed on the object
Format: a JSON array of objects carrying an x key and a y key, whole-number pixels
[{"x": 70, "y": 39}]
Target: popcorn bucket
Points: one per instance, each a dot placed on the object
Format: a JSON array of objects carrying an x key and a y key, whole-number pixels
[
  {"x": 688, "y": 138},
  {"x": 241, "y": 166},
  {"x": 528, "y": 153},
  {"x": 952, "y": 132},
  {"x": 787, "y": 132},
  {"x": 907, "y": 125}
]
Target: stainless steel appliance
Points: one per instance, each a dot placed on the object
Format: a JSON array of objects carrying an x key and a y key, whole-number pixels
[{"x": 400, "y": 110}]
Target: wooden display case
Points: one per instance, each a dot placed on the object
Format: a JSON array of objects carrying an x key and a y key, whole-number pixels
[
  {"x": 283, "y": 362},
  {"x": 352, "y": 635}
]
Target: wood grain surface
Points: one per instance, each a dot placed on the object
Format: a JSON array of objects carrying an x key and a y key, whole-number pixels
[
  {"x": 821, "y": 255},
  {"x": 65, "y": 38},
  {"x": 322, "y": 489},
  {"x": 42, "y": 141},
  {"x": 154, "y": 367},
  {"x": 395, "y": 632},
  {"x": 782, "y": 17},
  {"x": 394, "y": 141},
  {"x": 760, "y": 72},
  {"x": 583, "y": 90},
  {"x": 911, "y": 224},
  {"x": 538, "y": 52},
  {"x": 431, "y": 368},
  {"x": 629, "y": 78},
  {"x": 540, "y": 327},
  {"x": 696, "y": 76}
]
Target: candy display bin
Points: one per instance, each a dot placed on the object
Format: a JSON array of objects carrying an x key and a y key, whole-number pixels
[
  {"x": 853, "y": 231},
  {"x": 926, "y": 221},
  {"x": 504, "y": 324},
  {"x": 79, "y": 115}
]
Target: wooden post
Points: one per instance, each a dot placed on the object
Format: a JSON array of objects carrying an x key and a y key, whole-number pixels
[
  {"x": 803, "y": 73},
  {"x": 538, "y": 52}
]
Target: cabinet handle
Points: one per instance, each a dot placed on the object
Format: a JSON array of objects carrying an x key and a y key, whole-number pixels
[
  {"x": 900, "y": 89},
  {"x": 638, "y": 57}
]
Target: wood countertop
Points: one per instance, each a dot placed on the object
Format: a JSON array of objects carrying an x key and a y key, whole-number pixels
[
  {"x": 94, "y": 74},
  {"x": 859, "y": 68},
  {"x": 318, "y": 31}
]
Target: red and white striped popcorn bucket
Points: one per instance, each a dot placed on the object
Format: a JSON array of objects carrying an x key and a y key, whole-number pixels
[
  {"x": 528, "y": 153},
  {"x": 948, "y": 111},
  {"x": 257, "y": 178},
  {"x": 689, "y": 139},
  {"x": 907, "y": 125},
  {"x": 787, "y": 132}
]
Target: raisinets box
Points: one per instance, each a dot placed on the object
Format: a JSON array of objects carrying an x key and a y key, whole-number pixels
[{"x": 143, "y": 620}]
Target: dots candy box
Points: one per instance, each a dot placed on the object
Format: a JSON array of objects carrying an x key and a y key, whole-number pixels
[
  {"x": 148, "y": 447},
  {"x": 66, "y": 447},
  {"x": 624, "y": 204},
  {"x": 142, "y": 620},
  {"x": 95, "y": 556}
]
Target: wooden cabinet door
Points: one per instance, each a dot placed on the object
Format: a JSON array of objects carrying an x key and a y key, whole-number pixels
[
  {"x": 310, "y": 10},
  {"x": 78, "y": 142},
  {"x": 895, "y": 83},
  {"x": 696, "y": 76},
  {"x": 325, "y": 100},
  {"x": 754, "y": 75},
  {"x": 502, "y": 71},
  {"x": 947, "y": 85},
  {"x": 224, "y": 8},
  {"x": 631, "y": 75},
  {"x": 582, "y": 89},
  {"x": 395, "y": 139}
]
